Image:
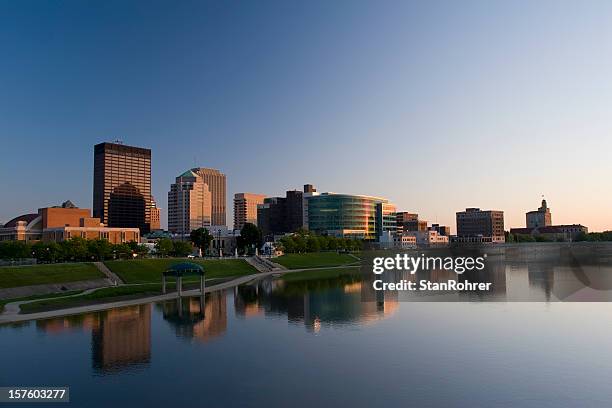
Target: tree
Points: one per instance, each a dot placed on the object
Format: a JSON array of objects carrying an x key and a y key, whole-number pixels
[
  {"x": 15, "y": 250},
  {"x": 332, "y": 243},
  {"x": 74, "y": 249},
  {"x": 142, "y": 250},
  {"x": 201, "y": 238},
  {"x": 250, "y": 237},
  {"x": 164, "y": 247},
  {"x": 123, "y": 250},
  {"x": 48, "y": 252},
  {"x": 312, "y": 244},
  {"x": 288, "y": 246},
  {"x": 99, "y": 249},
  {"x": 181, "y": 248},
  {"x": 300, "y": 244}
]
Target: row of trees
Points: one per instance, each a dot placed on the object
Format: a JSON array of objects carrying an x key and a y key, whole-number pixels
[
  {"x": 510, "y": 238},
  {"x": 80, "y": 249},
  {"x": 595, "y": 236},
  {"x": 74, "y": 249},
  {"x": 605, "y": 236},
  {"x": 167, "y": 247},
  {"x": 249, "y": 239},
  {"x": 304, "y": 241}
]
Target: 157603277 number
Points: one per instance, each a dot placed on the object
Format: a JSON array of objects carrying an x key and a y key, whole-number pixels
[{"x": 34, "y": 394}]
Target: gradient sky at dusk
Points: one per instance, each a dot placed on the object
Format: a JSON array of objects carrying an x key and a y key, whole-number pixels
[{"x": 436, "y": 105}]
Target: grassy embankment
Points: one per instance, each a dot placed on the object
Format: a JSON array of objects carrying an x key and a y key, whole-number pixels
[
  {"x": 14, "y": 276},
  {"x": 320, "y": 274},
  {"x": 314, "y": 260},
  {"x": 144, "y": 279},
  {"x": 150, "y": 270},
  {"x": 34, "y": 297},
  {"x": 111, "y": 294}
]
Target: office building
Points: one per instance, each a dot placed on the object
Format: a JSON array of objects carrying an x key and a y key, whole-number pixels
[
  {"x": 61, "y": 223},
  {"x": 407, "y": 221},
  {"x": 428, "y": 238},
  {"x": 122, "y": 186},
  {"x": 245, "y": 208},
  {"x": 441, "y": 229},
  {"x": 281, "y": 215},
  {"x": 386, "y": 218},
  {"x": 540, "y": 217},
  {"x": 216, "y": 182},
  {"x": 189, "y": 204},
  {"x": 346, "y": 215},
  {"x": 476, "y": 225},
  {"x": 155, "y": 215}
]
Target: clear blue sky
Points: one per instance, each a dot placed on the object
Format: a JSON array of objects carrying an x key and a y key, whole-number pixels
[{"x": 435, "y": 105}]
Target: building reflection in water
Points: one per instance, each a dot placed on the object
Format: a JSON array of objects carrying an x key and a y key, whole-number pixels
[
  {"x": 313, "y": 303},
  {"x": 120, "y": 338},
  {"x": 198, "y": 318}
]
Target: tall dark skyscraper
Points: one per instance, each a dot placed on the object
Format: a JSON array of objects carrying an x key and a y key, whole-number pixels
[{"x": 122, "y": 186}]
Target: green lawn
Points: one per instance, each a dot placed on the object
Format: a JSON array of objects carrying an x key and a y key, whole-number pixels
[
  {"x": 320, "y": 274},
  {"x": 150, "y": 270},
  {"x": 13, "y": 276},
  {"x": 48, "y": 295},
  {"x": 100, "y": 296},
  {"x": 314, "y": 260}
]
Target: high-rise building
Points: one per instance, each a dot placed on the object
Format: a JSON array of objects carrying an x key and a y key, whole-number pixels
[
  {"x": 409, "y": 222},
  {"x": 478, "y": 225},
  {"x": 280, "y": 215},
  {"x": 189, "y": 204},
  {"x": 386, "y": 218},
  {"x": 539, "y": 218},
  {"x": 216, "y": 182},
  {"x": 122, "y": 186},
  {"x": 155, "y": 215},
  {"x": 245, "y": 208}
]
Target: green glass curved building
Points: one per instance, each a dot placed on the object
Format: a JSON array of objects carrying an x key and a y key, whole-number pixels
[{"x": 346, "y": 215}]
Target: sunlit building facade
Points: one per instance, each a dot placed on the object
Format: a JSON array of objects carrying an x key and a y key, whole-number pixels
[
  {"x": 245, "y": 208},
  {"x": 122, "y": 186},
  {"x": 189, "y": 204},
  {"x": 354, "y": 216}
]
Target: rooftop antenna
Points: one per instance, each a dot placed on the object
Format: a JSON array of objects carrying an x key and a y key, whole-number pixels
[{"x": 118, "y": 141}]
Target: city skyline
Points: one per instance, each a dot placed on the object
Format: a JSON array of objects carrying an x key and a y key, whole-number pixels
[
  {"x": 435, "y": 108},
  {"x": 230, "y": 198}
]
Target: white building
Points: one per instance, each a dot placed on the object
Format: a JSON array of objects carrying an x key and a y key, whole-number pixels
[{"x": 428, "y": 238}]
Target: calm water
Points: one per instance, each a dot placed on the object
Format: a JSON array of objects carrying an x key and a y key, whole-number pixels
[{"x": 314, "y": 342}]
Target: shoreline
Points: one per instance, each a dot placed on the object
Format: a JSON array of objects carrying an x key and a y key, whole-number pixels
[{"x": 8, "y": 318}]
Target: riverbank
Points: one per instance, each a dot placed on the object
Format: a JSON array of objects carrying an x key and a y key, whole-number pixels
[{"x": 14, "y": 316}]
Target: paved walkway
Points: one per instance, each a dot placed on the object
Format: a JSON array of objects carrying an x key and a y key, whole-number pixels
[
  {"x": 48, "y": 288},
  {"x": 11, "y": 310},
  {"x": 264, "y": 264},
  {"x": 109, "y": 274}
]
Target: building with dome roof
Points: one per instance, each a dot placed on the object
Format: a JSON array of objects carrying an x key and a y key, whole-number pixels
[{"x": 59, "y": 223}]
